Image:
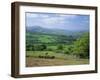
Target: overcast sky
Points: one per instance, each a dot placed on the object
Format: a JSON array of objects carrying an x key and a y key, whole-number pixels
[{"x": 58, "y": 21}]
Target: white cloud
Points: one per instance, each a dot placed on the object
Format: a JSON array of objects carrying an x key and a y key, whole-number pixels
[
  {"x": 53, "y": 20},
  {"x": 70, "y": 16},
  {"x": 36, "y": 15},
  {"x": 31, "y": 15},
  {"x": 58, "y": 19},
  {"x": 44, "y": 16}
]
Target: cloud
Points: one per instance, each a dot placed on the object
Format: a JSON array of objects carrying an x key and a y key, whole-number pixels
[
  {"x": 68, "y": 16},
  {"x": 44, "y": 16},
  {"x": 37, "y": 15},
  {"x": 53, "y": 20},
  {"x": 31, "y": 15},
  {"x": 57, "y": 19}
]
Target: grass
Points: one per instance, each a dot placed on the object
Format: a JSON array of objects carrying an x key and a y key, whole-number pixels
[
  {"x": 32, "y": 59},
  {"x": 34, "y": 62}
]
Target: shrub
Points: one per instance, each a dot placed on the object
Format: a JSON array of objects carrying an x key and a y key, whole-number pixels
[{"x": 60, "y": 47}]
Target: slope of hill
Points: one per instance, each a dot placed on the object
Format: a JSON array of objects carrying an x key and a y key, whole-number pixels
[
  {"x": 47, "y": 38},
  {"x": 37, "y": 34}
]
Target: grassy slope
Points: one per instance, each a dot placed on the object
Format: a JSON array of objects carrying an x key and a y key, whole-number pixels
[{"x": 47, "y": 38}]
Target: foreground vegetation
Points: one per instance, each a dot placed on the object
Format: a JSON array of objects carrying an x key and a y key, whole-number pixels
[{"x": 49, "y": 49}]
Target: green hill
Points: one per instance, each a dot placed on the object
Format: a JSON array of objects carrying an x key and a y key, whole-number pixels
[{"x": 32, "y": 38}]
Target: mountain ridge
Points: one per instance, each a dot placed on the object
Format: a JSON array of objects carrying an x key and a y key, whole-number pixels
[{"x": 39, "y": 29}]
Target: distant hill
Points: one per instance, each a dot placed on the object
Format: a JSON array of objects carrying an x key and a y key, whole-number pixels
[{"x": 39, "y": 29}]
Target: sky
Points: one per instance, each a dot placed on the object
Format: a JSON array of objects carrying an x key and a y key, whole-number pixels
[{"x": 57, "y": 21}]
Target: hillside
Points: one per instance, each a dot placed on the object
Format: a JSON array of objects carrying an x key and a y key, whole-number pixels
[
  {"x": 37, "y": 34},
  {"x": 33, "y": 38}
]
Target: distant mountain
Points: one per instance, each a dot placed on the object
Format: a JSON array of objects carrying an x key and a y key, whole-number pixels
[{"x": 39, "y": 29}]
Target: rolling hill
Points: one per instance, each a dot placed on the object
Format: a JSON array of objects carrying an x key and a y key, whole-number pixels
[{"x": 37, "y": 34}]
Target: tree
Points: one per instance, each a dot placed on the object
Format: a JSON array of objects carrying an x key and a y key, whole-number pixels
[
  {"x": 81, "y": 46},
  {"x": 68, "y": 50},
  {"x": 43, "y": 47},
  {"x": 60, "y": 47},
  {"x": 29, "y": 47}
]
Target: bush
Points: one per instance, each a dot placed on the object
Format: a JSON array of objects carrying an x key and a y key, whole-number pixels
[
  {"x": 39, "y": 47},
  {"x": 66, "y": 52},
  {"x": 60, "y": 47}
]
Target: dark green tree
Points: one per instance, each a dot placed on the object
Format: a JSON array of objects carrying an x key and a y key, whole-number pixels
[
  {"x": 29, "y": 47},
  {"x": 43, "y": 47},
  {"x": 60, "y": 47},
  {"x": 39, "y": 47}
]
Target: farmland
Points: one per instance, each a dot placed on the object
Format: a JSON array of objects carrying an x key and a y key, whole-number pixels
[{"x": 44, "y": 49}]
